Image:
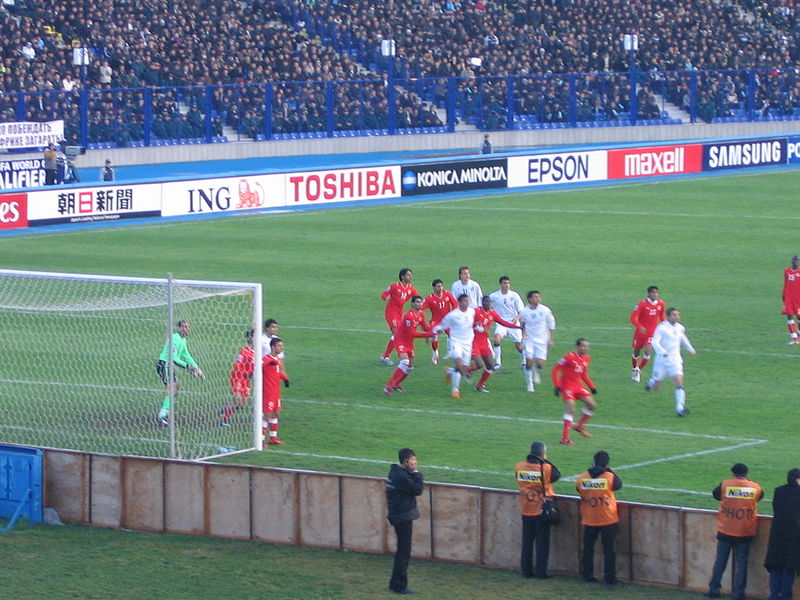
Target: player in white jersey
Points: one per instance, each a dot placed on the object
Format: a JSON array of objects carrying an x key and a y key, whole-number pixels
[
  {"x": 668, "y": 338},
  {"x": 271, "y": 329},
  {"x": 538, "y": 326},
  {"x": 460, "y": 323},
  {"x": 466, "y": 285},
  {"x": 508, "y": 305}
]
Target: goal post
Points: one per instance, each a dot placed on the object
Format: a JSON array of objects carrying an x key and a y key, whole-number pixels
[{"x": 79, "y": 355}]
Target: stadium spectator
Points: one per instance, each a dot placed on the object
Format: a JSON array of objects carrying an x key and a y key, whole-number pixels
[
  {"x": 107, "y": 172},
  {"x": 403, "y": 484},
  {"x": 535, "y": 476},
  {"x": 737, "y": 525},
  {"x": 783, "y": 550}
]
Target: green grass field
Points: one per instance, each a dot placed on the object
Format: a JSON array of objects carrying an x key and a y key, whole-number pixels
[
  {"x": 65, "y": 563},
  {"x": 716, "y": 247}
]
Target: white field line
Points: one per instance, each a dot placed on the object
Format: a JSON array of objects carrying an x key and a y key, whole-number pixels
[
  {"x": 483, "y": 416},
  {"x": 742, "y": 442},
  {"x": 616, "y": 213}
]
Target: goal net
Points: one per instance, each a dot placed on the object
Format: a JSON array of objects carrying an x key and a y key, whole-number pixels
[{"x": 78, "y": 363}]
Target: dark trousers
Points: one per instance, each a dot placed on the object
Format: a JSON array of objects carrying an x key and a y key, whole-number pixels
[
  {"x": 534, "y": 531},
  {"x": 399, "y": 580},
  {"x": 606, "y": 533},
  {"x": 741, "y": 551},
  {"x": 49, "y": 177},
  {"x": 781, "y": 582}
]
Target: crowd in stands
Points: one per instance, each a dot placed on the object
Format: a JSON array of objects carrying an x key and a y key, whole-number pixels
[{"x": 177, "y": 46}]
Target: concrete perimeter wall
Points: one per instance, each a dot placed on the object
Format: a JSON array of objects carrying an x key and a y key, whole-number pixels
[{"x": 655, "y": 545}]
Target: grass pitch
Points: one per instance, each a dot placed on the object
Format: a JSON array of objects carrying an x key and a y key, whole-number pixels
[{"x": 716, "y": 247}]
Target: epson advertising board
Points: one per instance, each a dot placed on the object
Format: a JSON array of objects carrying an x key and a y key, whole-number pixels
[
  {"x": 437, "y": 178},
  {"x": 743, "y": 154},
  {"x": 554, "y": 169}
]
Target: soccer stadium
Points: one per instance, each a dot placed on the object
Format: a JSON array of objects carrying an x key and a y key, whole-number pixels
[{"x": 174, "y": 174}]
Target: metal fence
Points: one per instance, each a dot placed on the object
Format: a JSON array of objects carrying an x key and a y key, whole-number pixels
[{"x": 389, "y": 105}]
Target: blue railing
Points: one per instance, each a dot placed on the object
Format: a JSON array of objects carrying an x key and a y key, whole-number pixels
[{"x": 388, "y": 105}]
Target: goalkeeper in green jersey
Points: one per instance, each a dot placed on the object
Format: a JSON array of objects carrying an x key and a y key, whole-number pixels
[{"x": 180, "y": 358}]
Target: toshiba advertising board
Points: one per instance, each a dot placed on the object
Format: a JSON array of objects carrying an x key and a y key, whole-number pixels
[
  {"x": 744, "y": 153},
  {"x": 553, "y": 169},
  {"x": 227, "y": 194},
  {"x": 655, "y": 161},
  {"x": 342, "y": 185},
  {"x": 89, "y": 205},
  {"x": 13, "y": 211}
]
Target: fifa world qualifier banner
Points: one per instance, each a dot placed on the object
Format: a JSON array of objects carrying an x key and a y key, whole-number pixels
[{"x": 30, "y": 134}]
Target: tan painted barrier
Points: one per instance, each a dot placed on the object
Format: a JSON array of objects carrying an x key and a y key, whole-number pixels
[{"x": 656, "y": 545}]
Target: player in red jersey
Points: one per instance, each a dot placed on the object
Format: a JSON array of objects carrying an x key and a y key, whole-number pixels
[
  {"x": 645, "y": 318},
  {"x": 570, "y": 374},
  {"x": 791, "y": 298},
  {"x": 439, "y": 302},
  {"x": 241, "y": 375},
  {"x": 482, "y": 353},
  {"x": 272, "y": 374},
  {"x": 404, "y": 337},
  {"x": 396, "y": 296}
]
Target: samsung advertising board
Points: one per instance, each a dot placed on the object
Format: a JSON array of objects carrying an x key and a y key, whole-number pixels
[
  {"x": 743, "y": 154},
  {"x": 23, "y": 173},
  {"x": 554, "y": 169},
  {"x": 227, "y": 194},
  {"x": 437, "y": 178},
  {"x": 90, "y": 205}
]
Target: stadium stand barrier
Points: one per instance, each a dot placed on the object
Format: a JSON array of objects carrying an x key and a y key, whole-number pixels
[
  {"x": 185, "y": 115},
  {"x": 658, "y": 545}
]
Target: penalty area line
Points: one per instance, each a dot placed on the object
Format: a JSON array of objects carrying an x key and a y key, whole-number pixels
[
  {"x": 449, "y": 469},
  {"x": 483, "y": 416}
]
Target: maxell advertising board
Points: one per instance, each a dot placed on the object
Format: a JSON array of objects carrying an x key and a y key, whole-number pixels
[
  {"x": 201, "y": 196},
  {"x": 552, "y": 169},
  {"x": 13, "y": 211},
  {"x": 655, "y": 161},
  {"x": 745, "y": 153},
  {"x": 23, "y": 173},
  {"x": 436, "y": 178},
  {"x": 92, "y": 204},
  {"x": 342, "y": 185}
]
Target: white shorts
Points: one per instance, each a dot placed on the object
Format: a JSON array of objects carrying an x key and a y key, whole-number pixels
[
  {"x": 666, "y": 368},
  {"x": 515, "y": 335},
  {"x": 460, "y": 350},
  {"x": 534, "y": 350}
]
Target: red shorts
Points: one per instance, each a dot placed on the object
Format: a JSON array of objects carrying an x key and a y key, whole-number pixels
[
  {"x": 404, "y": 348},
  {"x": 480, "y": 347},
  {"x": 791, "y": 306},
  {"x": 240, "y": 386},
  {"x": 393, "y": 319},
  {"x": 575, "y": 394},
  {"x": 640, "y": 340},
  {"x": 271, "y": 405}
]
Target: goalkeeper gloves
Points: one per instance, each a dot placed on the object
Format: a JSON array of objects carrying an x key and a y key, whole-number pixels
[
  {"x": 285, "y": 383},
  {"x": 594, "y": 391},
  {"x": 557, "y": 391}
]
